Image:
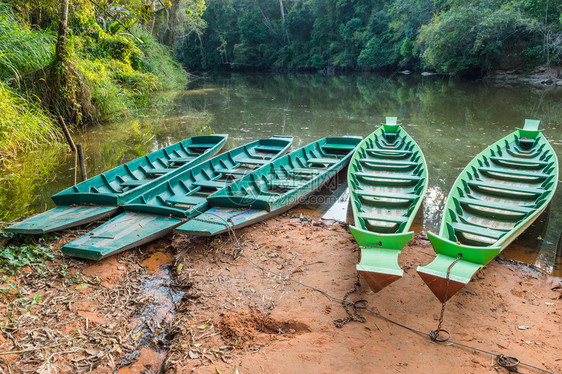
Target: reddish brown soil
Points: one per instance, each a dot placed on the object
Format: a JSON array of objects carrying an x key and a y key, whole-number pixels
[
  {"x": 234, "y": 316},
  {"x": 486, "y": 314}
]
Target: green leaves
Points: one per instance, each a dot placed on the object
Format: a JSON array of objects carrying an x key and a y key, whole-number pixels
[
  {"x": 13, "y": 258},
  {"x": 471, "y": 36}
]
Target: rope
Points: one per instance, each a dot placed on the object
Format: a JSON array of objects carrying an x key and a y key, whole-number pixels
[
  {"x": 359, "y": 304},
  {"x": 434, "y": 335},
  {"x": 510, "y": 363}
]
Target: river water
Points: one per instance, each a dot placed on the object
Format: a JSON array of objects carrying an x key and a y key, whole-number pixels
[{"x": 451, "y": 120}]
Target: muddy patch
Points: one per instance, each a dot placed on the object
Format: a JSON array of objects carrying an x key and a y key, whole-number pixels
[
  {"x": 244, "y": 330},
  {"x": 150, "y": 325}
]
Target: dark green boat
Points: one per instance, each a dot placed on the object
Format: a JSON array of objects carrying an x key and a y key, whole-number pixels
[
  {"x": 387, "y": 179},
  {"x": 102, "y": 195},
  {"x": 156, "y": 212},
  {"x": 273, "y": 189},
  {"x": 495, "y": 198}
]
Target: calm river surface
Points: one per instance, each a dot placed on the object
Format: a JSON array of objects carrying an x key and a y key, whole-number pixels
[{"x": 452, "y": 121}]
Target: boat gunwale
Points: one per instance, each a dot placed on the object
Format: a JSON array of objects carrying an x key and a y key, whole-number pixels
[
  {"x": 69, "y": 196},
  {"x": 424, "y": 178},
  {"x": 134, "y": 205},
  {"x": 475, "y": 163}
]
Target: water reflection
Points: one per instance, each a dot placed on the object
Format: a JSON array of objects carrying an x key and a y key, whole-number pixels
[{"x": 451, "y": 121}]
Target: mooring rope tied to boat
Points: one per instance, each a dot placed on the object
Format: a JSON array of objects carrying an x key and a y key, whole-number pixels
[
  {"x": 510, "y": 363},
  {"x": 434, "y": 334}
]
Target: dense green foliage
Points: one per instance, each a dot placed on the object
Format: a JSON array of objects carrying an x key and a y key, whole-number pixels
[
  {"x": 23, "y": 49},
  {"x": 110, "y": 53},
  {"x": 23, "y": 124},
  {"x": 450, "y": 36}
]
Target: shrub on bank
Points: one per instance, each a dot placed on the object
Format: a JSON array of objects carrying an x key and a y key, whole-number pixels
[{"x": 120, "y": 71}]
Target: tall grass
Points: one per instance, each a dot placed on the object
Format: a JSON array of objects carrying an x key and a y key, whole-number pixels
[
  {"x": 23, "y": 125},
  {"x": 22, "y": 49}
]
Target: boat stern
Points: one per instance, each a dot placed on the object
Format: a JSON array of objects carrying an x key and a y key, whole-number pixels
[
  {"x": 379, "y": 267},
  {"x": 435, "y": 273},
  {"x": 379, "y": 256},
  {"x": 389, "y": 241},
  {"x": 62, "y": 217}
]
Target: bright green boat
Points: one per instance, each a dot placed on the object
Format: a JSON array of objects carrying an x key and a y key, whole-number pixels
[
  {"x": 156, "y": 212},
  {"x": 102, "y": 195},
  {"x": 495, "y": 198},
  {"x": 273, "y": 189},
  {"x": 387, "y": 179}
]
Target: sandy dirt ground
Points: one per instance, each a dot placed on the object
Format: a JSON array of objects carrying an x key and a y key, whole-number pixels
[{"x": 183, "y": 305}]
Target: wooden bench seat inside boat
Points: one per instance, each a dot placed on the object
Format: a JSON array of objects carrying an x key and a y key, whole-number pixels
[
  {"x": 505, "y": 187},
  {"x": 200, "y": 145},
  {"x": 253, "y": 161},
  {"x": 388, "y": 195},
  {"x": 383, "y": 218},
  {"x": 305, "y": 171},
  {"x": 210, "y": 184},
  {"x": 285, "y": 183},
  {"x": 476, "y": 230},
  {"x": 268, "y": 148},
  {"x": 158, "y": 171},
  {"x": 233, "y": 171},
  {"x": 514, "y": 162},
  {"x": 134, "y": 183},
  {"x": 525, "y": 175},
  {"x": 493, "y": 205},
  {"x": 186, "y": 200},
  {"x": 394, "y": 176},
  {"x": 323, "y": 161}
]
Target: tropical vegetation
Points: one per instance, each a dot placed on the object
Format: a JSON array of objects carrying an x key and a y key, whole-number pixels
[
  {"x": 467, "y": 37},
  {"x": 104, "y": 63}
]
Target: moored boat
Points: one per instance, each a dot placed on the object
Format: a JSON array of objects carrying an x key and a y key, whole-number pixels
[
  {"x": 156, "y": 212},
  {"x": 273, "y": 189},
  {"x": 495, "y": 198},
  {"x": 102, "y": 195},
  {"x": 387, "y": 179}
]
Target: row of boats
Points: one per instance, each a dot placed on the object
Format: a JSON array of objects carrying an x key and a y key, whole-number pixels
[{"x": 186, "y": 188}]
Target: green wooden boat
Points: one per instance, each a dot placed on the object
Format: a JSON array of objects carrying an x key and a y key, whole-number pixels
[
  {"x": 156, "y": 212},
  {"x": 273, "y": 189},
  {"x": 102, "y": 195},
  {"x": 494, "y": 199},
  {"x": 387, "y": 179}
]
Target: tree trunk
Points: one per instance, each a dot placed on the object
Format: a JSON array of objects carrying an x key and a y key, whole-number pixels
[
  {"x": 153, "y": 21},
  {"x": 64, "y": 92},
  {"x": 283, "y": 20},
  {"x": 170, "y": 34},
  {"x": 60, "y": 52}
]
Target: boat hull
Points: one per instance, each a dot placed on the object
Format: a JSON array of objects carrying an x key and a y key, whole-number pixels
[
  {"x": 273, "y": 190},
  {"x": 171, "y": 203},
  {"x": 500, "y": 193},
  {"x": 62, "y": 217},
  {"x": 387, "y": 180},
  {"x": 90, "y": 200}
]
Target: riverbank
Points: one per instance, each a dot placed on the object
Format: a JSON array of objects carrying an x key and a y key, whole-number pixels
[
  {"x": 188, "y": 305},
  {"x": 539, "y": 77},
  {"x": 111, "y": 74}
]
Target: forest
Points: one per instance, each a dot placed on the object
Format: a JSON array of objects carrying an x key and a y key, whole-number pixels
[
  {"x": 446, "y": 36},
  {"x": 110, "y": 55}
]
